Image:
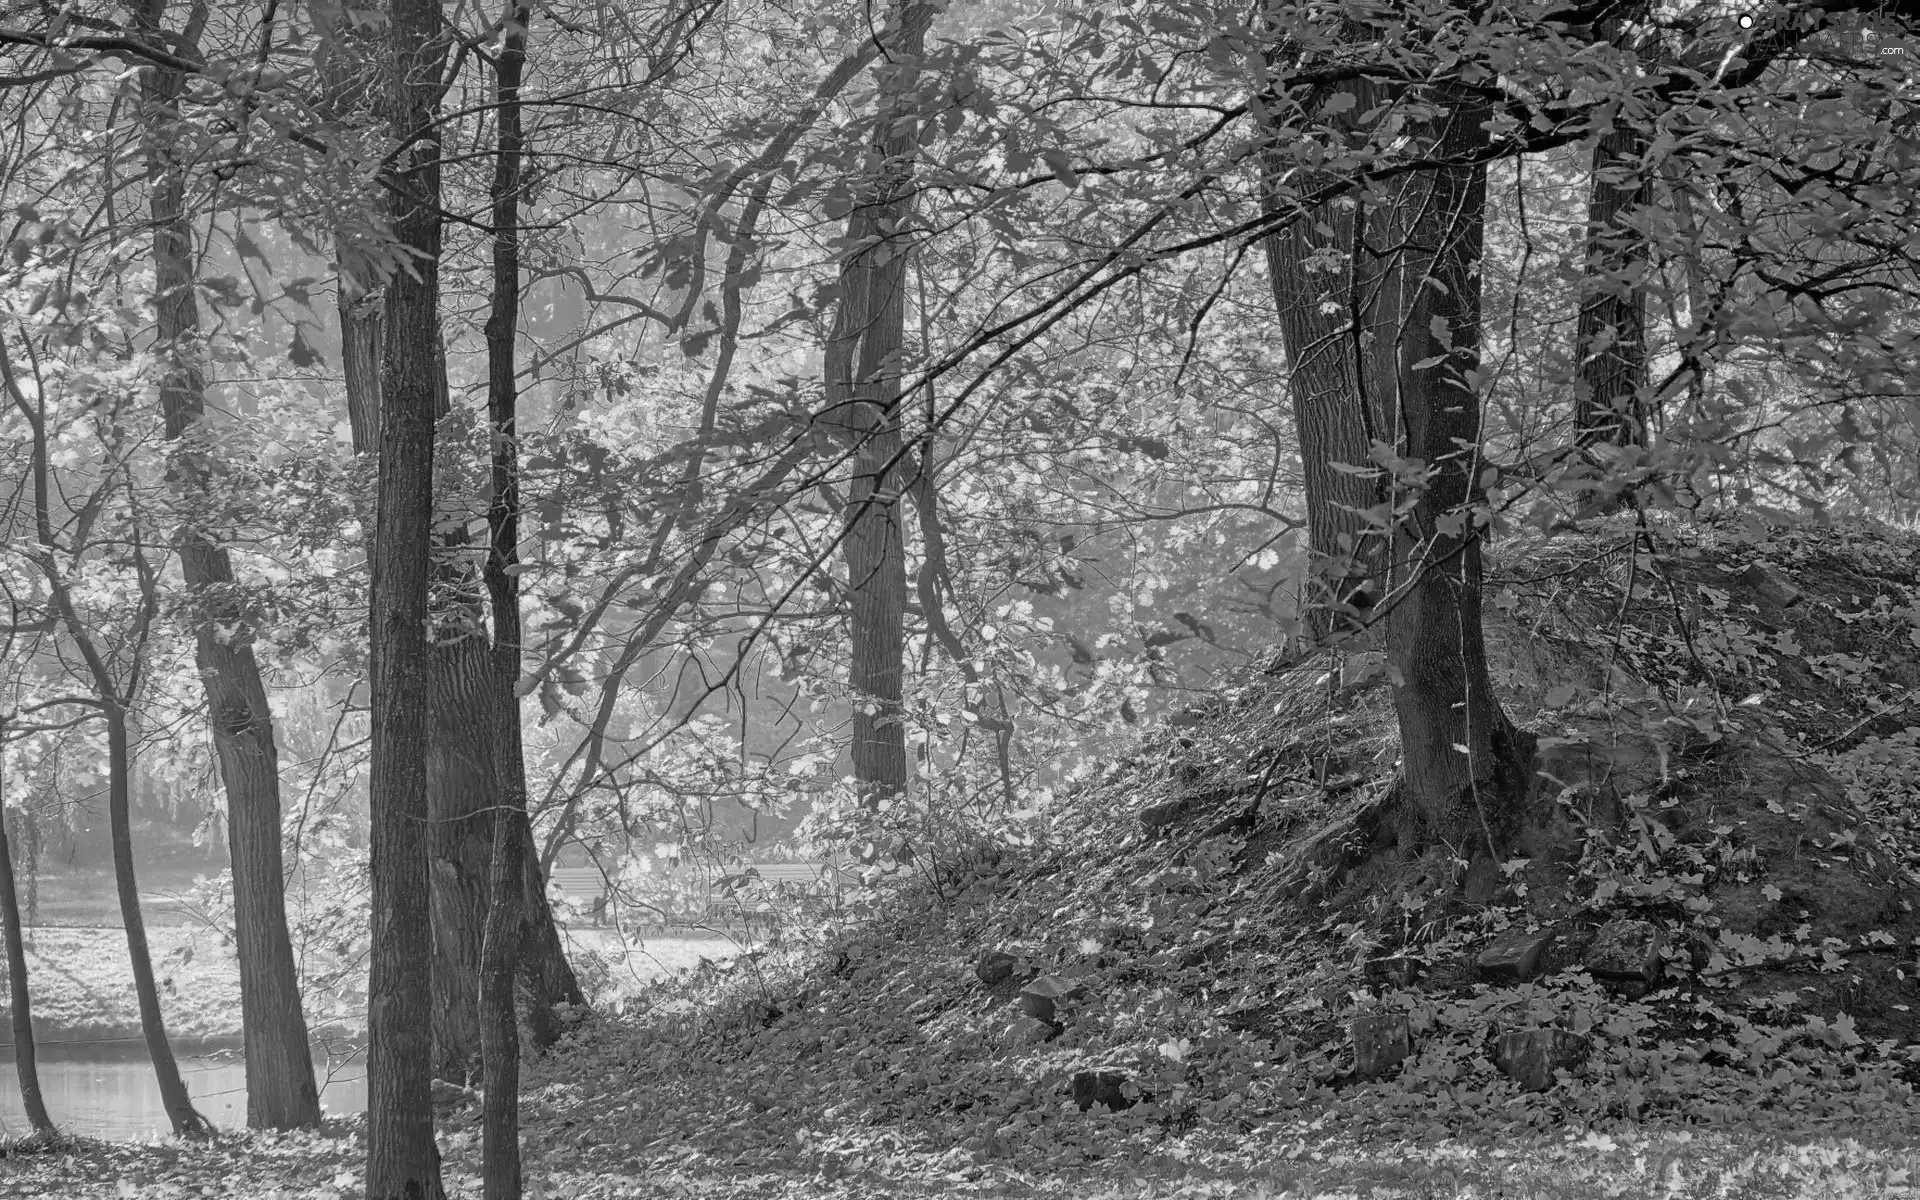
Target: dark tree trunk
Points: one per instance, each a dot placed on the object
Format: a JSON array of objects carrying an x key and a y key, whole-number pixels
[
  {"x": 863, "y": 368},
  {"x": 24, "y": 1064},
  {"x": 403, "y": 1162},
  {"x": 500, "y": 1030},
  {"x": 186, "y": 1120},
  {"x": 1466, "y": 771},
  {"x": 280, "y": 1085},
  {"x": 1609, "y": 403},
  {"x": 360, "y": 342}
]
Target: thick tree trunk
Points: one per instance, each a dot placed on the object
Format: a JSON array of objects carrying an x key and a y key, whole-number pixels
[
  {"x": 1415, "y": 287},
  {"x": 25, "y": 1065},
  {"x": 461, "y": 796},
  {"x": 1320, "y": 309},
  {"x": 1611, "y": 336},
  {"x": 500, "y": 1029},
  {"x": 186, "y": 1120},
  {"x": 863, "y": 368},
  {"x": 280, "y": 1085},
  {"x": 403, "y": 1163}
]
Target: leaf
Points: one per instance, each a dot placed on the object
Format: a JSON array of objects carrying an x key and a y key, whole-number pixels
[
  {"x": 1772, "y": 893},
  {"x": 301, "y": 353},
  {"x": 1338, "y": 103},
  {"x": 1561, "y": 696},
  {"x": 1062, "y": 168}
]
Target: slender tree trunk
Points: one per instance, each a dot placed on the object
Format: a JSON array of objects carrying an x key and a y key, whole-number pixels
[
  {"x": 500, "y": 1030},
  {"x": 1466, "y": 771},
  {"x": 863, "y": 367},
  {"x": 24, "y": 1063},
  {"x": 186, "y": 1120},
  {"x": 403, "y": 1163},
  {"x": 1611, "y": 336},
  {"x": 280, "y": 1085}
]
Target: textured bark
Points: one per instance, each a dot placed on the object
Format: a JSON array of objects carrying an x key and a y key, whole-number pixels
[
  {"x": 461, "y": 793},
  {"x": 360, "y": 341},
  {"x": 862, "y": 369},
  {"x": 403, "y": 1162},
  {"x": 185, "y": 1119},
  {"x": 500, "y": 1029},
  {"x": 1611, "y": 336},
  {"x": 1320, "y": 311},
  {"x": 280, "y": 1086},
  {"x": 25, "y": 1065},
  {"x": 1427, "y": 231}
]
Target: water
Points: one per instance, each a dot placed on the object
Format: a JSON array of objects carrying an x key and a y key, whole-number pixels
[{"x": 106, "y": 1090}]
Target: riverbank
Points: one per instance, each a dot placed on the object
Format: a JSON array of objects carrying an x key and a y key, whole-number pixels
[{"x": 82, "y": 984}]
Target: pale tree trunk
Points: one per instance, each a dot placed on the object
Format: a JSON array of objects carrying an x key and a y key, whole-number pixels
[
  {"x": 25, "y": 1064},
  {"x": 280, "y": 1086},
  {"x": 1466, "y": 771},
  {"x": 862, "y": 379},
  {"x": 500, "y": 1030},
  {"x": 403, "y": 1163},
  {"x": 186, "y": 1120},
  {"x": 1611, "y": 336},
  {"x": 1318, "y": 311}
]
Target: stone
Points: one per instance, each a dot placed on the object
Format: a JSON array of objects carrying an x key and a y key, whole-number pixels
[
  {"x": 1771, "y": 584},
  {"x": 995, "y": 967},
  {"x": 1515, "y": 956},
  {"x": 1529, "y": 1057},
  {"x": 1039, "y": 998},
  {"x": 1626, "y": 950},
  {"x": 1379, "y": 1043},
  {"x": 1393, "y": 971},
  {"x": 1105, "y": 1087},
  {"x": 1156, "y": 817}
]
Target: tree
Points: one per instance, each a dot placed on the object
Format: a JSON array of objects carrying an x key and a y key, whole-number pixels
[
  {"x": 24, "y": 1062},
  {"x": 403, "y": 1162},
  {"x": 280, "y": 1085},
  {"x": 499, "y": 1027},
  {"x": 862, "y": 377}
]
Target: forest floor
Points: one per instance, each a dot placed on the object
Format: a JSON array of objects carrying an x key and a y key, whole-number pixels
[{"x": 1170, "y": 995}]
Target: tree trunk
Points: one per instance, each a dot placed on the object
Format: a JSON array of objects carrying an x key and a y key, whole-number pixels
[
  {"x": 1320, "y": 313},
  {"x": 1466, "y": 771},
  {"x": 1612, "y": 332},
  {"x": 500, "y": 952},
  {"x": 403, "y": 1163},
  {"x": 280, "y": 1085},
  {"x": 185, "y": 1119},
  {"x": 24, "y": 1064},
  {"x": 461, "y": 793},
  {"x": 863, "y": 367}
]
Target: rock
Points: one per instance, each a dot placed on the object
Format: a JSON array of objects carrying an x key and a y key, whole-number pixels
[
  {"x": 1379, "y": 1043},
  {"x": 1531, "y": 1056},
  {"x": 1394, "y": 971},
  {"x": 1156, "y": 817},
  {"x": 1771, "y": 584},
  {"x": 1516, "y": 956},
  {"x": 446, "y": 1094},
  {"x": 995, "y": 967},
  {"x": 1626, "y": 950},
  {"x": 1105, "y": 1087},
  {"x": 1027, "y": 1032},
  {"x": 1038, "y": 998}
]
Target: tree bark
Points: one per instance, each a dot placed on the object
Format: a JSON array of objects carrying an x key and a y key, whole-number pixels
[
  {"x": 280, "y": 1086},
  {"x": 1320, "y": 324},
  {"x": 1414, "y": 297},
  {"x": 500, "y": 1030},
  {"x": 403, "y": 1163},
  {"x": 1611, "y": 335},
  {"x": 461, "y": 795},
  {"x": 862, "y": 381},
  {"x": 186, "y": 1120},
  {"x": 25, "y": 1065}
]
